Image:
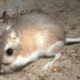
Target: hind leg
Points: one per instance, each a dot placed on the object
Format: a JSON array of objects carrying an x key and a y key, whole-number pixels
[
  {"x": 54, "y": 50},
  {"x": 50, "y": 63}
]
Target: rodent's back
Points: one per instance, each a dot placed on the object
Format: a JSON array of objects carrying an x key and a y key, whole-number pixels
[{"x": 38, "y": 21}]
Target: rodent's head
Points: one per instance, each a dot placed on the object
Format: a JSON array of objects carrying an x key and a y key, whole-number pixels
[{"x": 9, "y": 45}]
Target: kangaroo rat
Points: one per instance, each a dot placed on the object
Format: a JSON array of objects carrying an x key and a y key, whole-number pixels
[{"x": 34, "y": 36}]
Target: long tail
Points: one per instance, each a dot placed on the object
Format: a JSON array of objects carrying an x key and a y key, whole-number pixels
[{"x": 69, "y": 41}]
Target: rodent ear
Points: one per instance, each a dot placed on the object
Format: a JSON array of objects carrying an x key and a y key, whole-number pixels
[
  {"x": 8, "y": 27},
  {"x": 13, "y": 34}
]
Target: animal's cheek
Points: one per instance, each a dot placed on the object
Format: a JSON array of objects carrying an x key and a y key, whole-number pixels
[{"x": 7, "y": 59}]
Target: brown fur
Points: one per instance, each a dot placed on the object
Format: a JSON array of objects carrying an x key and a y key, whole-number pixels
[{"x": 31, "y": 27}]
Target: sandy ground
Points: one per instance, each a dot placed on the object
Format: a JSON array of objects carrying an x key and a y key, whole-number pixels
[{"x": 67, "y": 14}]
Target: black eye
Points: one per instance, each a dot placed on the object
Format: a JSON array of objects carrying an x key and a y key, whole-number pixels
[{"x": 9, "y": 51}]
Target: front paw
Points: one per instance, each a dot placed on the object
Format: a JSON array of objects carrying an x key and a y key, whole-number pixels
[{"x": 6, "y": 69}]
